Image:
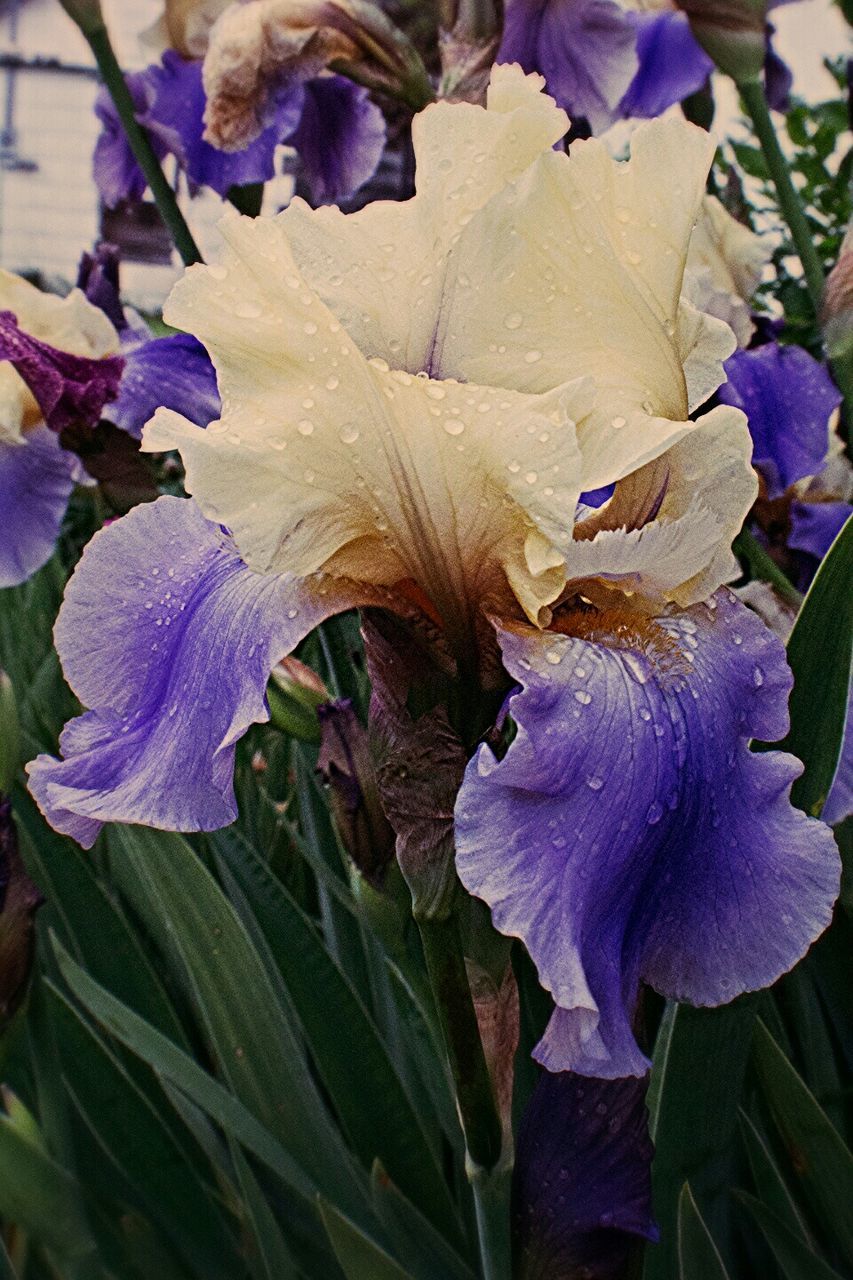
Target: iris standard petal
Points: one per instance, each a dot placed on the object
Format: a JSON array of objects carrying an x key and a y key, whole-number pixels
[
  {"x": 629, "y": 834},
  {"x": 585, "y": 49},
  {"x": 340, "y": 137},
  {"x": 36, "y": 480},
  {"x": 788, "y": 398},
  {"x": 169, "y": 639}
]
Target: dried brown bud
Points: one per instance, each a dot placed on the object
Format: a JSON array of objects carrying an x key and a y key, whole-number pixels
[
  {"x": 347, "y": 767},
  {"x": 836, "y": 311}
]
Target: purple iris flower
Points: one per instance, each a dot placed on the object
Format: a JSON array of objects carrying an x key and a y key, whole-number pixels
[
  {"x": 605, "y": 63},
  {"x": 788, "y": 398},
  {"x": 339, "y": 132},
  {"x": 173, "y": 371},
  {"x": 581, "y": 1199},
  {"x": 36, "y": 481},
  {"x": 626, "y": 835}
]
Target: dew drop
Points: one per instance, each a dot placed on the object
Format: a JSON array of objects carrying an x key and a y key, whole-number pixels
[
  {"x": 530, "y": 477},
  {"x": 594, "y": 782},
  {"x": 349, "y": 433},
  {"x": 310, "y": 328},
  {"x": 758, "y": 677},
  {"x": 454, "y": 426},
  {"x": 617, "y": 423},
  {"x": 514, "y": 320},
  {"x": 305, "y": 427},
  {"x": 654, "y": 813},
  {"x": 247, "y": 310},
  {"x": 554, "y": 657},
  {"x": 583, "y": 697}
]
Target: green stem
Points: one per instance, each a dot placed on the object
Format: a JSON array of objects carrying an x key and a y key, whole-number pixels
[
  {"x": 755, "y": 103},
  {"x": 475, "y": 1097},
  {"x": 140, "y": 145},
  {"x": 491, "y": 1207}
]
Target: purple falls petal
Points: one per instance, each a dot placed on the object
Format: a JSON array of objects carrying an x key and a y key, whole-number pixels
[
  {"x": 582, "y": 1179},
  {"x": 672, "y": 65},
  {"x": 585, "y": 49},
  {"x": 174, "y": 371},
  {"x": 36, "y": 479},
  {"x": 169, "y": 639},
  {"x": 629, "y": 834},
  {"x": 70, "y": 390},
  {"x": 340, "y": 138},
  {"x": 788, "y": 398},
  {"x": 177, "y": 110}
]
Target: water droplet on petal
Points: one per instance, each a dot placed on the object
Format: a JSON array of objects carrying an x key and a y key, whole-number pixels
[
  {"x": 349, "y": 433},
  {"x": 758, "y": 677},
  {"x": 617, "y": 423},
  {"x": 514, "y": 320},
  {"x": 247, "y": 310},
  {"x": 583, "y": 697},
  {"x": 305, "y": 427},
  {"x": 654, "y": 813},
  {"x": 594, "y": 782}
]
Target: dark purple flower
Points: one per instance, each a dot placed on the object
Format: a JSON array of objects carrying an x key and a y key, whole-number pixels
[
  {"x": 816, "y": 525},
  {"x": 36, "y": 480},
  {"x": 629, "y": 835},
  {"x": 672, "y": 66},
  {"x": 340, "y": 138},
  {"x": 68, "y": 389},
  {"x": 584, "y": 48},
  {"x": 582, "y": 1179},
  {"x": 98, "y": 278},
  {"x": 788, "y": 398}
]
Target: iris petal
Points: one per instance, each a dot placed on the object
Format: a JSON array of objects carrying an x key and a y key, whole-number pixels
[
  {"x": 169, "y": 639},
  {"x": 630, "y": 835}
]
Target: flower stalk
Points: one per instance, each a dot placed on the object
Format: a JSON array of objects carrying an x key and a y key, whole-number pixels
[
  {"x": 755, "y": 103},
  {"x": 472, "y": 1083},
  {"x": 164, "y": 197}
]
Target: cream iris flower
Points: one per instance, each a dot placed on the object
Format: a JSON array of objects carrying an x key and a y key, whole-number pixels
[{"x": 422, "y": 391}]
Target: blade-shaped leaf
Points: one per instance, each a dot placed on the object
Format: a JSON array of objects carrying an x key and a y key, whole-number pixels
[
  {"x": 131, "y": 1132},
  {"x": 698, "y": 1256},
  {"x": 769, "y": 1179},
  {"x": 249, "y": 1032},
  {"x": 796, "y": 1260},
  {"x": 178, "y": 1068},
  {"x": 40, "y": 1196},
  {"x": 275, "y": 1259},
  {"x": 695, "y": 1128},
  {"x": 360, "y": 1257},
  {"x": 821, "y": 1161},
  {"x": 368, "y": 1095},
  {"x": 819, "y": 652}
]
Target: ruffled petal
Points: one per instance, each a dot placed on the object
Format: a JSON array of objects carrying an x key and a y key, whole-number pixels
[
  {"x": 669, "y": 527},
  {"x": 174, "y": 372},
  {"x": 585, "y": 49},
  {"x": 176, "y": 110},
  {"x": 630, "y": 835},
  {"x": 788, "y": 398},
  {"x": 169, "y": 639},
  {"x": 383, "y": 269},
  {"x": 582, "y": 1179},
  {"x": 36, "y": 479},
  {"x": 340, "y": 137},
  {"x": 594, "y": 290},
  {"x": 672, "y": 64},
  {"x": 816, "y": 525}
]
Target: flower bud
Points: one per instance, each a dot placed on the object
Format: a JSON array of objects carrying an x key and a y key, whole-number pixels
[
  {"x": 836, "y": 311},
  {"x": 86, "y": 13},
  {"x": 294, "y": 694},
  {"x": 347, "y": 768},
  {"x": 732, "y": 33}
]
